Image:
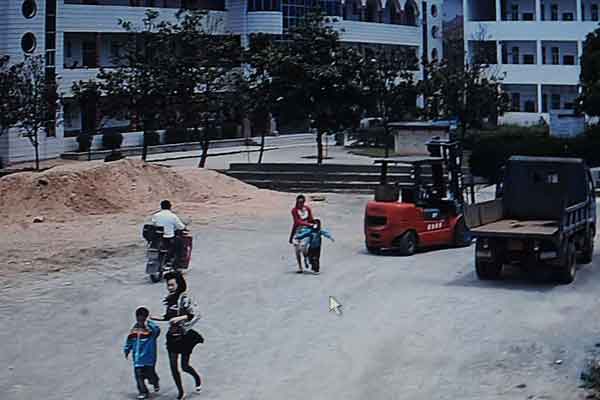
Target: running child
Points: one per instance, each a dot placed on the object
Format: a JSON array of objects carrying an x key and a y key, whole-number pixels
[
  {"x": 142, "y": 341},
  {"x": 314, "y": 244}
]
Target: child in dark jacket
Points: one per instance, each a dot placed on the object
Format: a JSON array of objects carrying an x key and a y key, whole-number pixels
[
  {"x": 142, "y": 341},
  {"x": 314, "y": 244}
]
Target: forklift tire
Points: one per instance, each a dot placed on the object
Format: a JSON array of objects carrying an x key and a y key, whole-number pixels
[
  {"x": 587, "y": 253},
  {"x": 460, "y": 234},
  {"x": 488, "y": 270},
  {"x": 372, "y": 250},
  {"x": 567, "y": 271},
  {"x": 407, "y": 244}
]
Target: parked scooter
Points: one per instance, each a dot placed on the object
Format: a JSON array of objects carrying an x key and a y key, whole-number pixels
[{"x": 158, "y": 262}]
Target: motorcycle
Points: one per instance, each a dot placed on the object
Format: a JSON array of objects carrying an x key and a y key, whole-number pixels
[{"x": 158, "y": 261}]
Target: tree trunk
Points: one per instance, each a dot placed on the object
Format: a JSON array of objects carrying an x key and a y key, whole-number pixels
[
  {"x": 205, "y": 146},
  {"x": 36, "y": 146},
  {"x": 387, "y": 139},
  {"x": 319, "y": 147},
  {"x": 262, "y": 146},
  {"x": 145, "y": 146}
]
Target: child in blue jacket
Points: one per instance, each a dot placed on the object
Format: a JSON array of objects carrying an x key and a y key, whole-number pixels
[
  {"x": 142, "y": 341},
  {"x": 314, "y": 243}
]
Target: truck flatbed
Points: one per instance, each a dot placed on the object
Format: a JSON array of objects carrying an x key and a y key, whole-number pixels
[{"x": 513, "y": 227}]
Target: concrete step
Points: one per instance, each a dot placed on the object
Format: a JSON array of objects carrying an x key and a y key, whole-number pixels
[
  {"x": 283, "y": 167},
  {"x": 315, "y": 177}
]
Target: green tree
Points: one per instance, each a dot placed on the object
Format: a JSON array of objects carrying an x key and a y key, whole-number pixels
[
  {"x": 470, "y": 92},
  {"x": 38, "y": 99},
  {"x": 310, "y": 74},
  {"x": 388, "y": 87},
  {"x": 10, "y": 93},
  {"x": 589, "y": 101}
]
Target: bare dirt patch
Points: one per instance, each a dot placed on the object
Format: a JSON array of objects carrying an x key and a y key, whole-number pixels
[{"x": 96, "y": 209}]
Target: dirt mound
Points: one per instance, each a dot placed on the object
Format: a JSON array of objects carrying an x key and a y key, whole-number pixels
[{"x": 65, "y": 192}]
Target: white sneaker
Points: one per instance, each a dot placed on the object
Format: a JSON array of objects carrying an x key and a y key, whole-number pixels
[{"x": 198, "y": 389}]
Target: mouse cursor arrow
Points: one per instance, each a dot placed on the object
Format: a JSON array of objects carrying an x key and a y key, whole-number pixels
[{"x": 335, "y": 306}]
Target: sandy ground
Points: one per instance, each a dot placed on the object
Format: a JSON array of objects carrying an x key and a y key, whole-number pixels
[
  {"x": 96, "y": 210},
  {"x": 414, "y": 328}
]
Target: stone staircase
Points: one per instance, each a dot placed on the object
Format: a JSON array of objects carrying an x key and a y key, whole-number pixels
[{"x": 318, "y": 178}]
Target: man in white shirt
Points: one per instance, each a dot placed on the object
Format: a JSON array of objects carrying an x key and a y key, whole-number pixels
[{"x": 170, "y": 222}]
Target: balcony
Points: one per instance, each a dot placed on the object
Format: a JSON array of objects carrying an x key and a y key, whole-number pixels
[
  {"x": 218, "y": 5},
  {"x": 370, "y": 32}
]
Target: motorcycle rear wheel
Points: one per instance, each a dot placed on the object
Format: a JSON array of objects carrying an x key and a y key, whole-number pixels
[{"x": 156, "y": 277}]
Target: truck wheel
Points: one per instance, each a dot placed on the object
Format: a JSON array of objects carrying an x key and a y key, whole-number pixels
[
  {"x": 567, "y": 271},
  {"x": 460, "y": 234},
  {"x": 372, "y": 249},
  {"x": 488, "y": 270},
  {"x": 407, "y": 245},
  {"x": 155, "y": 278},
  {"x": 587, "y": 252}
]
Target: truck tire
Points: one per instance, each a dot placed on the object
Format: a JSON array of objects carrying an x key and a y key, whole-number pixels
[
  {"x": 568, "y": 269},
  {"x": 587, "y": 253},
  {"x": 488, "y": 270},
  {"x": 372, "y": 249},
  {"x": 407, "y": 245},
  {"x": 460, "y": 234}
]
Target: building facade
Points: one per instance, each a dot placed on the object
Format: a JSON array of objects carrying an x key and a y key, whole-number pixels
[
  {"x": 535, "y": 47},
  {"x": 77, "y": 37}
]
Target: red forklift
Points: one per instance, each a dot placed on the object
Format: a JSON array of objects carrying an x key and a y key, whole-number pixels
[{"x": 425, "y": 212}]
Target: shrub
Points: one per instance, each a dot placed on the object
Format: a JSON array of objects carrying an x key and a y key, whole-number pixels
[
  {"x": 152, "y": 138},
  {"x": 112, "y": 140},
  {"x": 177, "y": 135},
  {"x": 84, "y": 140}
]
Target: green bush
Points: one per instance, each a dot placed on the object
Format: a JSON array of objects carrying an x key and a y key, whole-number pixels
[
  {"x": 84, "y": 140},
  {"x": 490, "y": 152},
  {"x": 152, "y": 138},
  {"x": 177, "y": 135},
  {"x": 112, "y": 140}
]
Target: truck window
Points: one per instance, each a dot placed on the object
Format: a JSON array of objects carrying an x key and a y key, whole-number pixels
[{"x": 552, "y": 178}]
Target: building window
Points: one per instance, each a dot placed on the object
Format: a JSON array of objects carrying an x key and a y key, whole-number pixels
[
  {"x": 515, "y": 55},
  {"x": 528, "y": 59},
  {"x": 567, "y": 16},
  {"x": 434, "y": 54},
  {"x": 555, "y": 102},
  {"x": 555, "y": 56},
  {"x": 543, "y": 55},
  {"x": 29, "y": 8},
  {"x": 68, "y": 49},
  {"x": 594, "y": 12},
  {"x": 568, "y": 60},
  {"x": 514, "y": 12},
  {"x": 582, "y": 11},
  {"x": 515, "y": 102},
  {"x": 543, "y": 11},
  {"x": 115, "y": 50},
  {"x": 435, "y": 32},
  {"x": 28, "y": 43},
  {"x": 544, "y": 103},
  {"x": 529, "y": 106},
  {"x": 554, "y": 12},
  {"x": 89, "y": 54},
  {"x": 434, "y": 11},
  {"x": 265, "y": 5}
]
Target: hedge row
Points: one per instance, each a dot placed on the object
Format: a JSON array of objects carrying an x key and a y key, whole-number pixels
[{"x": 490, "y": 152}]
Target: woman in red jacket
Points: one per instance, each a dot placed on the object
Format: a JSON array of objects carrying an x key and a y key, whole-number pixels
[{"x": 303, "y": 218}]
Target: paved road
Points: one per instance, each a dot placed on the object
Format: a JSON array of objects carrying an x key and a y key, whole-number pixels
[{"x": 413, "y": 328}]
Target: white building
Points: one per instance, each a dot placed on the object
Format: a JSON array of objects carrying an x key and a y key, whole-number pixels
[
  {"x": 79, "y": 36},
  {"x": 535, "y": 47}
]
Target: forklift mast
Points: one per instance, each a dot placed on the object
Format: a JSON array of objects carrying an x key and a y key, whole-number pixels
[{"x": 451, "y": 152}]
